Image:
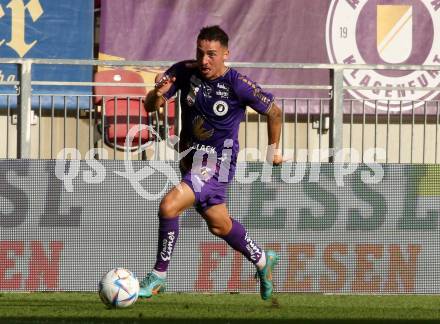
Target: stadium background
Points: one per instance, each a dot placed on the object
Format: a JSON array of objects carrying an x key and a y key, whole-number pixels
[{"x": 360, "y": 237}]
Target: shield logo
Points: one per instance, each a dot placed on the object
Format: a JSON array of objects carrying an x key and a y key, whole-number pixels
[{"x": 394, "y": 32}]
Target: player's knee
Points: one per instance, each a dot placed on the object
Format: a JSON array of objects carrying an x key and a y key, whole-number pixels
[
  {"x": 219, "y": 231},
  {"x": 167, "y": 209}
]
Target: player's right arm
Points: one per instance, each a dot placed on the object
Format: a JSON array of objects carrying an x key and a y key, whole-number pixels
[{"x": 155, "y": 98}]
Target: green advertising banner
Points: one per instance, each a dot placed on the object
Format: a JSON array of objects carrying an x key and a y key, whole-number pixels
[{"x": 338, "y": 228}]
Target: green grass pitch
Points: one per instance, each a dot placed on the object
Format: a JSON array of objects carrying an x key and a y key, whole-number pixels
[{"x": 71, "y": 307}]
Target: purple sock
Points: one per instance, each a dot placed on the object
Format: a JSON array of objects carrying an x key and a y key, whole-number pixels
[
  {"x": 168, "y": 233},
  {"x": 239, "y": 240}
]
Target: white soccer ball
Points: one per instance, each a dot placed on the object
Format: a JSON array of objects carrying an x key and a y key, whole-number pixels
[{"x": 118, "y": 288}]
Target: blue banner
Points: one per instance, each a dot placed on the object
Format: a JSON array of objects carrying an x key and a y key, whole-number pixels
[{"x": 47, "y": 29}]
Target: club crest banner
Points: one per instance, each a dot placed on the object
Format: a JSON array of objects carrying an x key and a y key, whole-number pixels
[{"x": 300, "y": 31}]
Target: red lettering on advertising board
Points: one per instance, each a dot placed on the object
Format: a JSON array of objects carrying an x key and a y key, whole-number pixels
[
  {"x": 399, "y": 268},
  {"x": 9, "y": 249},
  {"x": 236, "y": 282},
  {"x": 335, "y": 279},
  {"x": 365, "y": 267},
  {"x": 211, "y": 255},
  {"x": 42, "y": 267},
  {"x": 298, "y": 256},
  {"x": 365, "y": 278}
]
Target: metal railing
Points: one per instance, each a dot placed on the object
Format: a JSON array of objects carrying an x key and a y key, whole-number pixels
[{"x": 335, "y": 128}]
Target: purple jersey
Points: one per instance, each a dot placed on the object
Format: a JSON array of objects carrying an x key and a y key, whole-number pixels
[{"x": 213, "y": 109}]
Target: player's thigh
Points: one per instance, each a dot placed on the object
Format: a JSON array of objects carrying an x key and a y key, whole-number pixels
[
  {"x": 176, "y": 201},
  {"x": 218, "y": 219}
]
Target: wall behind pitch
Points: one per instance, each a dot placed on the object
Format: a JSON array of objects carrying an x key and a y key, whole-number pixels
[{"x": 334, "y": 233}]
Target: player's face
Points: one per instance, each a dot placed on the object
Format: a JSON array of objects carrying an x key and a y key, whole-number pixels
[{"x": 211, "y": 56}]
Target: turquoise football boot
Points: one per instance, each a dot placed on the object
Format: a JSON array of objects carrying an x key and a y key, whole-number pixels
[
  {"x": 265, "y": 275},
  {"x": 151, "y": 285}
]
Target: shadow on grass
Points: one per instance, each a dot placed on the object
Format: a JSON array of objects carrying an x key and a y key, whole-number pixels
[{"x": 91, "y": 320}]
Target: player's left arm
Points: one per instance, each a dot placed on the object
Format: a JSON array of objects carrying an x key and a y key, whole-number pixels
[
  {"x": 274, "y": 121},
  {"x": 252, "y": 95}
]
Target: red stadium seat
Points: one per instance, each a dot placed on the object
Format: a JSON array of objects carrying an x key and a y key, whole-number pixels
[{"x": 122, "y": 108}]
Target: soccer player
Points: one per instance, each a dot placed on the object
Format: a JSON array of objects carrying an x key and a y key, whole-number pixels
[{"x": 213, "y": 102}]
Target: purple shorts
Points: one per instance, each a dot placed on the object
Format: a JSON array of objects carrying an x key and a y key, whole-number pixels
[{"x": 209, "y": 191}]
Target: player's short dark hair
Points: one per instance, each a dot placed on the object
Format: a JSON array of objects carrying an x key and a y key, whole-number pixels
[{"x": 214, "y": 33}]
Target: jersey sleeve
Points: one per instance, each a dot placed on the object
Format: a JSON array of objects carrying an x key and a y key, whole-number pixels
[
  {"x": 252, "y": 95},
  {"x": 173, "y": 71}
]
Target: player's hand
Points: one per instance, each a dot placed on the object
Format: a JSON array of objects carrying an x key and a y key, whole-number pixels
[
  {"x": 163, "y": 83},
  {"x": 277, "y": 160},
  {"x": 274, "y": 155}
]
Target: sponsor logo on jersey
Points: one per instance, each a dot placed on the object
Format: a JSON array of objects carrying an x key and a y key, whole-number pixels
[
  {"x": 207, "y": 90},
  {"x": 194, "y": 88},
  {"x": 205, "y": 148},
  {"x": 199, "y": 131},
  {"x": 222, "y": 86},
  {"x": 220, "y": 108},
  {"x": 222, "y": 94},
  {"x": 262, "y": 97},
  {"x": 222, "y": 90}
]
